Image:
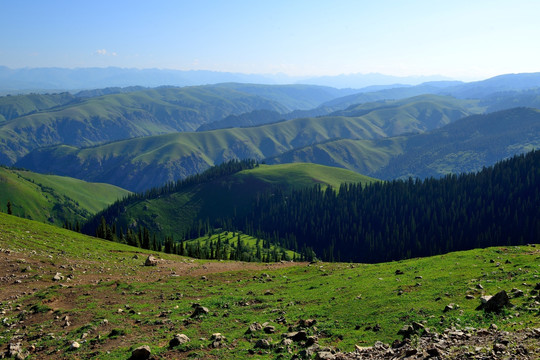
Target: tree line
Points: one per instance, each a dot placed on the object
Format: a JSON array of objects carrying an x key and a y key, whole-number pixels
[{"x": 400, "y": 219}]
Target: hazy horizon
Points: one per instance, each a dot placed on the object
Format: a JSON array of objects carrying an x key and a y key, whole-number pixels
[{"x": 460, "y": 40}]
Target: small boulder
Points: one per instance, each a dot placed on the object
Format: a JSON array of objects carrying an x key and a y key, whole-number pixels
[
  {"x": 151, "y": 261},
  {"x": 406, "y": 331},
  {"x": 399, "y": 272},
  {"x": 74, "y": 346},
  {"x": 141, "y": 353},
  {"x": 325, "y": 355},
  {"x": 263, "y": 344},
  {"x": 495, "y": 303},
  {"x": 200, "y": 310},
  {"x": 178, "y": 339},
  {"x": 270, "y": 329},
  {"x": 254, "y": 328},
  {"x": 58, "y": 277},
  {"x": 298, "y": 336}
]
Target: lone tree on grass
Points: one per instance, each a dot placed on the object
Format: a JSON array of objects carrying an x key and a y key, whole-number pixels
[{"x": 9, "y": 210}]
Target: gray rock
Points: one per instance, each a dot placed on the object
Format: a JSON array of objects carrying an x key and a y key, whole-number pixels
[
  {"x": 200, "y": 310},
  {"x": 13, "y": 349},
  {"x": 269, "y": 329},
  {"x": 495, "y": 303},
  {"x": 297, "y": 336},
  {"x": 178, "y": 339},
  {"x": 151, "y": 261},
  {"x": 141, "y": 353},
  {"x": 263, "y": 344},
  {"x": 74, "y": 346},
  {"x": 325, "y": 355},
  {"x": 254, "y": 328},
  {"x": 406, "y": 331},
  {"x": 58, "y": 277}
]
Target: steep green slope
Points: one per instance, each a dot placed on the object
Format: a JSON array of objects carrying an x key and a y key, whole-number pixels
[
  {"x": 54, "y": 199},
  {"x": 142, "y": 163},
  {"x": 172, "y": 214},
  {"x": 463, "y": 146},
  {"x": 124, "y": 115},
  {"x": 12, "y": 107},
  {"x": 352, "y": 304}
]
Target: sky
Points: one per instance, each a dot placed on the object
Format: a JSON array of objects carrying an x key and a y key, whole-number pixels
[{"x": 464, "y": 40}]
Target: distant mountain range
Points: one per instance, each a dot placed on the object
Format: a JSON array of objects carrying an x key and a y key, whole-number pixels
[{"x": 54, "y": 79}]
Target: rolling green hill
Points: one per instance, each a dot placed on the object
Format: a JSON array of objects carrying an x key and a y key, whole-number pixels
[
  {"x": 466, "y": 145},
  {"x": 124, "y": 115},
  {"x": 12, "y": 107},
  {"x": 171, "y": 214},
  {"x": 54, "y": 199},
  {"x": 142, "y": 163}
]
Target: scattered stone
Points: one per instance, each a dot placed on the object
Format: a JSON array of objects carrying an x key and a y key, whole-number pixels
[
  {"x": 200, "y": 310},
  {"x": 141, "y": 353},
  {"x": 297, "y": 336},
  {"x": 497, "y": 347},
  {"x": 449, "y": 307},
  {"x": 269, "y": 329},
  {"x": 151, "y": 261},
  {"x": 58, "y": 277},
  {"x": 217, "y": 339},
  {"x": 254, "y": 328},
  {"x": 14, "y": 349},
  {"x": 263, "y": 344},
  {"x": 325, "y": 355},
  {"x": 406, "y": 331},
  {"x": 494, "y": 303},
  {"x": 178, "y": 339},
  {"x": 74, "y": 346},
  {"x": 399, "y": 272},
  {"x": 469, "y": 297}
]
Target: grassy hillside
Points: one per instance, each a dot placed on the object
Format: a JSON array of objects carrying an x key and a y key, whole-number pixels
[
  {"x": 12, "y": 107},
  {"x": 54, "y": 199},
  {"x": 463, "y": 146},
  {"x": 110, "y": 304},
  {"x": 142, "y": 163},
  {"x": 173, "y": 214},
  {"x": 124, "y": 115}
]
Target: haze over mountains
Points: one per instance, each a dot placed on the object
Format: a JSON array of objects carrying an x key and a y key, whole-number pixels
[{"x": 50, "y": 79}]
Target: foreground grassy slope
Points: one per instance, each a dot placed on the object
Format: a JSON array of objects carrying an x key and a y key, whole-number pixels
[
  {"x": 172, "y": 214},
  {"x": 112, "y": 304},
  {"x": 142, "y": 163},
  {"x": 54, "y": 199}
]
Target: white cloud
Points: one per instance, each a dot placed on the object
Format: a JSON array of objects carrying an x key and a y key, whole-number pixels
[{"x": 104, "y": 52}]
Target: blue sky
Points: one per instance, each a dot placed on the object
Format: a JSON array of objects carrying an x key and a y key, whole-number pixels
[{"x": 465, "y": 40}]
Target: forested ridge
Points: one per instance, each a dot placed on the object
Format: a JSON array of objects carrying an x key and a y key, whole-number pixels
[
  {"x": 379, "y": 222},
  {"x": 401, "y": 219}
]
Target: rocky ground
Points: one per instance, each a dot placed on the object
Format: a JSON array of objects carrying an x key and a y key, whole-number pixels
[{"x": 23, "y": 274}]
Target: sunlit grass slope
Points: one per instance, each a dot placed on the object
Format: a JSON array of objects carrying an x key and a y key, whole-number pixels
[
  {"x": 347, "y": 300},
  {"x": 51, "y": 198}
]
